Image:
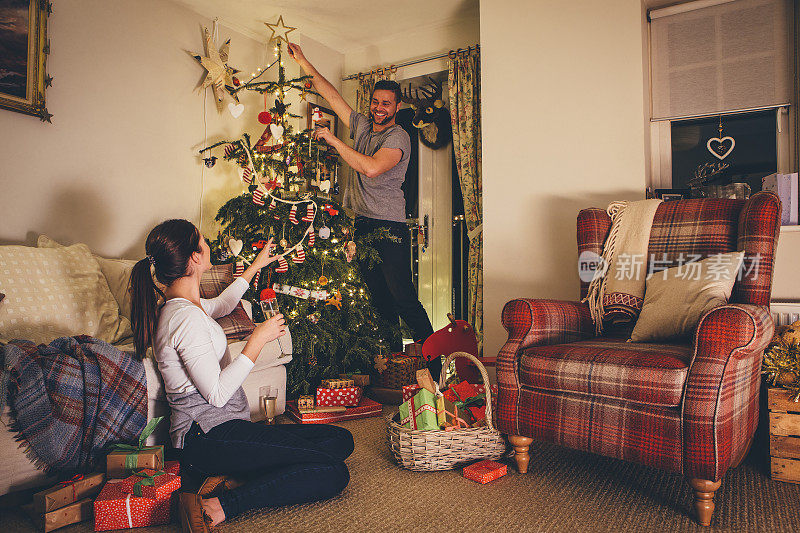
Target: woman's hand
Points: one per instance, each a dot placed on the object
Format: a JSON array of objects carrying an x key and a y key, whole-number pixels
[
  {"x": 271, "y": 329},
  {"x": 263, "y": 258},
  {"x": 265, "y": 332}
]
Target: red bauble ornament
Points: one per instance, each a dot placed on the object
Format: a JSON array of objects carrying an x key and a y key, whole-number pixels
[
  {"x": 267, "y": 294},
  {"x": 265, "y": 117},
  {"x": 307, "y": 84},
  {"x": 236, "y": 81}
]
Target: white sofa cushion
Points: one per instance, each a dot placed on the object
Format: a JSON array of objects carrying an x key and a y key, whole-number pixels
[{"x": 53, "y": 292}]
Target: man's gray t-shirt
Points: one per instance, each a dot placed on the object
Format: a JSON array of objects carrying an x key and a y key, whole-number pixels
[{"x": 380, "y": 197}]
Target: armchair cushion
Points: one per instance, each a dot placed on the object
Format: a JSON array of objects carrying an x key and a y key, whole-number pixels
[{"x": 652, "y": 374}]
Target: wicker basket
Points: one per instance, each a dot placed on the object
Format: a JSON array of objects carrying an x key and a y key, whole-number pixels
[{"x": 443, "y": 450}]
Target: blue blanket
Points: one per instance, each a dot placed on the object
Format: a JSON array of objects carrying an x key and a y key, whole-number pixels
[{"x": 72, "y": 398}]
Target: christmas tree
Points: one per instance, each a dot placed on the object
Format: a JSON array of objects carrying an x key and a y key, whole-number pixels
[{"x": 286, "y": 177}]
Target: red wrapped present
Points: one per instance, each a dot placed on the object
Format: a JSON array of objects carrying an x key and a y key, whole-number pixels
[
  {"x": 151, "y": 484},
  {"x": 172, "y": 467},
  {"x": 113, "y": 509},
  {"x": 485, "y": 471},
  {"x": 335, "y": 397}
]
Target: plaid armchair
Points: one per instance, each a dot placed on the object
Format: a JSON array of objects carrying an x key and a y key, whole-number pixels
[{"x": 690, "y": 407}]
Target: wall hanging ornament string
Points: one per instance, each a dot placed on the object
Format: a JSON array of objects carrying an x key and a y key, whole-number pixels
[{"x": 716, "y": 145}]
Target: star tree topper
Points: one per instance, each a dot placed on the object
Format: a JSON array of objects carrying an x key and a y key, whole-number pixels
[
  {"x": 280, "y": 31},
  {"x": 219, "y": 75}
]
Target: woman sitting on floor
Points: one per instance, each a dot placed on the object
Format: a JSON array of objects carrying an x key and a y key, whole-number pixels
[{"x": 210, "y": 417}]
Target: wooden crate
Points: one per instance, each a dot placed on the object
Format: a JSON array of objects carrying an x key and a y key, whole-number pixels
[{"x": 784, "y": 436}]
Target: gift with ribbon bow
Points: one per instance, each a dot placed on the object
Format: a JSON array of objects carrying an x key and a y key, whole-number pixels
[
  {"x": 123, "y": 459},
  {"x": 422, "y": 411},
  {"x": 151, "y": 484},
  {"x": 114, "y": 509},
  {"x": 468, "y": 400},
  {"x": 68, "y": 491}
]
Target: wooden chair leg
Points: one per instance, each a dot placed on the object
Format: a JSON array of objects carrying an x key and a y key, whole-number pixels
[
  {"x": 521, "y": 445},
  {"x": 704, "y": 499}
]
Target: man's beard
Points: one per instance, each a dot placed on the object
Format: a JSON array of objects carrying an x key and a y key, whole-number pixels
[{"x": 384, "y": 121}]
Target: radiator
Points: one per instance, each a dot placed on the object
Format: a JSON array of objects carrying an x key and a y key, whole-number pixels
[{"x": 784, "y": 313}]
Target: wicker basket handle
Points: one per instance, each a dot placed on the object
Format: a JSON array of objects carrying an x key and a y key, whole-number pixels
[{"x": 484, "y": 376}]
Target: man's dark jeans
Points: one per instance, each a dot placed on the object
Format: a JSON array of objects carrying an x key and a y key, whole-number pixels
[
  {"x": 393, "y": 292},
  {"x": 284, "y": 464}
]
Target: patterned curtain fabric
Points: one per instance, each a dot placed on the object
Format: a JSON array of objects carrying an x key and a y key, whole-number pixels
[
  {"x": 365, "y": 84},
  {"x": 465, "y": 103}
]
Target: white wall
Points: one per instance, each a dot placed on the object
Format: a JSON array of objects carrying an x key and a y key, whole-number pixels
[
  {"x": 563, "y": 129},
  {"x": 121, "y": 154}
]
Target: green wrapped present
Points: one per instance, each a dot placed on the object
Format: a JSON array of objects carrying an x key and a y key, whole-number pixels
[{"x": 422, "y": 411}]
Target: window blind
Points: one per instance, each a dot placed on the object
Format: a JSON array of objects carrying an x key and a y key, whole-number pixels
[{"x": 723, "y": 58}]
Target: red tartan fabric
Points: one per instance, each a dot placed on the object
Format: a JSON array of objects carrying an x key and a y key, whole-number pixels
[
  {"x": 644, "y": 434},
  {"x": 720, "y": 411},
  {"x": 593, "y": 227},
  {"x": 599, "y": 396},
  {"x": 236, "y": 325},
  {"x": 759, "y": 226},
  {"x": 652, "y": 374},
  {"x": 534, "y": 323}
]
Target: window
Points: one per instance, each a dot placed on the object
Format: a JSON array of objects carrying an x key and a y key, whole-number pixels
[
  {"x": 728, "y": 58},
  {"x": 754, "y": 151}
]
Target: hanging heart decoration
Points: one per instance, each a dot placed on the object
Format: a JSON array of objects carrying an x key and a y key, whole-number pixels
[
  {"x": 325, "y": 185},
  {"x": 277, "y": 131},
  {"x": 718, "y": 150},
  {"x": 235, "y": 246},
  {"x": 236, "y": 110}
]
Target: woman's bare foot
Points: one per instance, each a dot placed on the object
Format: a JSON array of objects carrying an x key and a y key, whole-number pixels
[{"x": 213, "y": 510}]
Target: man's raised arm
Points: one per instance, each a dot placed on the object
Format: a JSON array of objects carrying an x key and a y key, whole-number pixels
[{"x": 322, "y": 86}]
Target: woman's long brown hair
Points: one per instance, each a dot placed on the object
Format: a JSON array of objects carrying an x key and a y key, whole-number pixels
[{"x": 169, "y": 246}]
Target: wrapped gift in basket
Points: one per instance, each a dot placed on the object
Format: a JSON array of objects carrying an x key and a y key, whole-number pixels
[{"x": 444, "y": 449}]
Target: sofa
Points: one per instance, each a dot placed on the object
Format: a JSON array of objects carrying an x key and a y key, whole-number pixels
[{"x": 91, "y": 298}]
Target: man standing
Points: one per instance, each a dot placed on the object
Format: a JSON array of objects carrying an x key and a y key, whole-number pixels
[{"x": 380, "y": 160}]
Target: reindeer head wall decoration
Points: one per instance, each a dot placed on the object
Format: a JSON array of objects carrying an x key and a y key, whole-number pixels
[{"x": 431, "y": 117}]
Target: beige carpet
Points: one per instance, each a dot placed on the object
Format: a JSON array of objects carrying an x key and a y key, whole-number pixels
[{"x": 564, "y": 490}]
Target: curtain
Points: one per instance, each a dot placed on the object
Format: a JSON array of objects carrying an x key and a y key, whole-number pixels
[
  {"x": 365, "y": 84},
  {"x": 465, "y": 103}
]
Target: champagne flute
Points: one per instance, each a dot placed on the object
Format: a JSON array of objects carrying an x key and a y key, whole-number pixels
[
  {"x": 270, "y": 311},
  {"x": 268, "y": 404}
]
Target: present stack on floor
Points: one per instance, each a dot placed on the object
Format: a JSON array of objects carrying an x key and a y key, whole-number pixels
[{"x": 125, "y": 496}]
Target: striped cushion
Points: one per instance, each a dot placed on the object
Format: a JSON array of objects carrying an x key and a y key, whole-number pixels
[{"x": 652, "y": 374}]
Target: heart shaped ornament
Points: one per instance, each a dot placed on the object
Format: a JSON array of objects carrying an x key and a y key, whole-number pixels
[
  {"x": 277, "y": 131},
  {"x": 235, "y": 246},
  {"x": 325, "y": 185},
  {"x": 236, "y": 109},
  {"x": 718, "y": 150}
]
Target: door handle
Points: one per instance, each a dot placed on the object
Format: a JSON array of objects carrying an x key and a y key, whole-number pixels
[{"x": 423, "y": 233}]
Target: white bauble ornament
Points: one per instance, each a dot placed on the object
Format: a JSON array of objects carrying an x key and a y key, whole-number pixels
[{"x": 324, "y": 232}]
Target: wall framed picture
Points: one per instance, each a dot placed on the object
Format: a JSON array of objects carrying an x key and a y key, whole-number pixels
[
  {"x": 328, "y": 118},
  {"x": 24, "y": 46}
]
